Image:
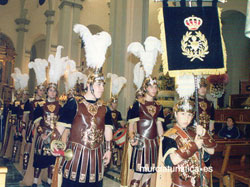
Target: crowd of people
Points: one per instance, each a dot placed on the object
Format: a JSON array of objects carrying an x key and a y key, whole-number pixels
[{"x": 85, "y": 124}]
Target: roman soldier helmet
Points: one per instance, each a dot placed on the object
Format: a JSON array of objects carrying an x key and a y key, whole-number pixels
[
  {"x": 95, "y": 47},
  {"x": 117, "y": 84},
  {"x": 184, "y": 105},
  {"x": 20, "y": 81},
  {"x": 148, "y": 57},
  {"x": 185, "y": 88},
  {"x": 39, "y": 66}
]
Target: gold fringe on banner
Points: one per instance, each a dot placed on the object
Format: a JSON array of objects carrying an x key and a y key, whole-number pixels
[{"x": 175, "y": 73}]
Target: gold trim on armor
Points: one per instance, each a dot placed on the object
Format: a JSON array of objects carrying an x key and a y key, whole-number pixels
[
  {"x": 61, "y": 124},
  {"x": 38, "y": 120},
  {"x": 111, "y": 126},
  {"x": 170, "y": 151},
  {"x": 92, "y": 178},
  {"x": 82, "y": 177},
  {"x": 151, "y": 110},
  {"x": 113, "y": 115},
  {"x": 100, "y": 176},
  {"x": 141, "y": 100},
  {"x": 134, "y": 120},
  {"x": 51, "y": 107},
  {"x": 93, "y": 136},
  {"x": 73, "y": 175},
  {"x": 66, "y": 173},
  {"x": 160, "y": 119},
  {"x": 41, "y": 103}
]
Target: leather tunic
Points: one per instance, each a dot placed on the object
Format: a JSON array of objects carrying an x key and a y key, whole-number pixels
[
  {"x": 206, "y": 111},
  {"x": 47, "y": 125},
  {"x": 116, "y": 124},
  {"x": 187, "y": 172},
  {"x": 88, "y": 125},
  {"x": 86, "y": 141},
  {"x": 146, "y": 126},
  {"x": 30, "y": 125}
]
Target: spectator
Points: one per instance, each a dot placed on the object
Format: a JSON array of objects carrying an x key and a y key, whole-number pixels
[{"x": 230, "y": 131}]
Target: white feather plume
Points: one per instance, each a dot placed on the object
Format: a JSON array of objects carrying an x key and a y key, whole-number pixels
[
  {"x": 136, "y": 49},
  {"x": 185, "y": 86},
  {"x": 152, "y": 43},
  {"x": 24, "y": 81},
  {"x": 95, "y": 45},
  {"x": 58, "y": 65},
  {"x": 117, "y": 83},
  {"x": 71, "y": 65},
  {"x": 15, "y": 76},
  {"x": 83, "y": 79},
  {"x": 72, "y": 79},
  {"x": 138, "y": 75},
  {"x": 20, "y": 80},
  {"x": 39, "y": 66},
  {"x": 148, "y": 56}
]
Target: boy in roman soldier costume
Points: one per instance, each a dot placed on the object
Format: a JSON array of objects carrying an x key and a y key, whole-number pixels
[
  {"x": 116, "y": 85},
  {"x": 206, "y": 108},
  {"x": 16, "y": 111},
  {"x": 138, "y": 80},
  {"x": 87, "y": 120},
  {"x": 39, "y": 66},
  {"x": 145, "y": 123},
  {"x": 46, "y": 115},
  {"x": 179, "y": 149}
]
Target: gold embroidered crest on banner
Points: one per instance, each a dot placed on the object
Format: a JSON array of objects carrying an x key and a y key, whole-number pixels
[
  {"x": 194, "y": 44},
  {"x": 51, "y": 108}
]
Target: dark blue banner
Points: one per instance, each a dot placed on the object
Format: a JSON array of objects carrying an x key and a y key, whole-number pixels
[{"x": 192, "y": 39}]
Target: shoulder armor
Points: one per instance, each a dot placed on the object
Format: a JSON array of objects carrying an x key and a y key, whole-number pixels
[
  {"x": 41, "y": 103},
  {"x": 100, "y": 102},
  {"x": 141, "y": 100},
  {"x": 171, "y": 133},
  {"x": 158, "y": 102},
  {"x": 78, "y": 98}
]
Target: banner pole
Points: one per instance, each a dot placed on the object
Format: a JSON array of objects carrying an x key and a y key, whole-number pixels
[{"x": 198, "y": 121}]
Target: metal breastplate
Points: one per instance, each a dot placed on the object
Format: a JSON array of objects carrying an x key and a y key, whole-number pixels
[
  {"x": 50, "y": 114},
  {"x": 88, "y": 125},
  {"x": 146, "y": 126},
  {"x": 114, "y": 115},
  {"x": 204, "y": 113},
  {"x": 184, "y": 176},
  {"x": 50, "y": 120}
]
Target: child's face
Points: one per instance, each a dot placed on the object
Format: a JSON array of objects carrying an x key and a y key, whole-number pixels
[
  {"x": 114, "y": 105},
  {"x": 52, "y": 93},
  {"x": 152, "y": 90},
  {"x": 202, "y": 91},
  {"x": 183, "y": 118}
]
